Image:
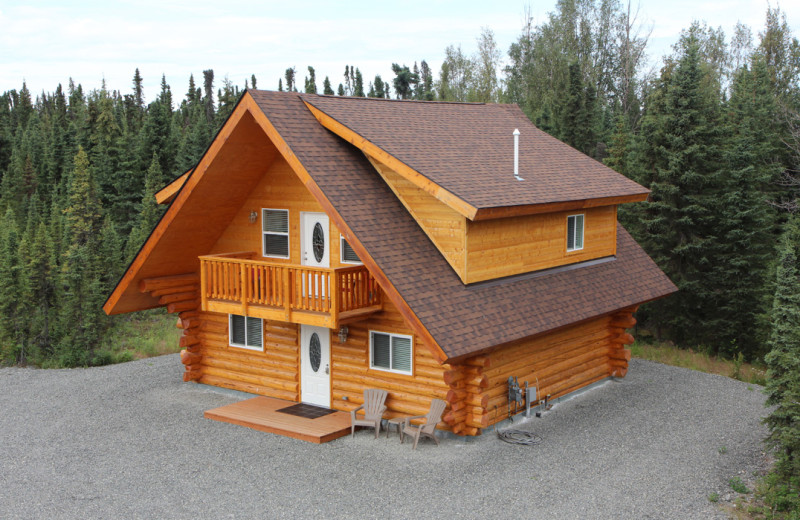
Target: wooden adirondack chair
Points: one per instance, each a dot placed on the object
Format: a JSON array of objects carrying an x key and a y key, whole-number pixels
[
  {"x": 427, "y": 428},
  {"x": 373, "y": 408}
]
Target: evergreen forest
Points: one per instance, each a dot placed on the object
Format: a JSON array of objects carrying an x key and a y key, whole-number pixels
[{"x": 714, "y": 133}]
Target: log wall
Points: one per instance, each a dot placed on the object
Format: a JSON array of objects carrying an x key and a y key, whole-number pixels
[
  {"x": 351, "y": 374},
  {"x": 273, "y": 372},
  {"x": 278, "y": 189},
  {"x": 509, "y": 246},
  {"x": 558, "y": 363},
  {"x": 475, "y": 388}
]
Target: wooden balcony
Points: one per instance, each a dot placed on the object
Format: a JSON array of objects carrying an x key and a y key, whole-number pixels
[{"x": 236, "y": 283}]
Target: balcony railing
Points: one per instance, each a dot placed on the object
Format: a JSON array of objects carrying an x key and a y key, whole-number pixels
[{"x": 295, "y": 293}]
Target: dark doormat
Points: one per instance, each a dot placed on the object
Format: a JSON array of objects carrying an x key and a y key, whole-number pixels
[{"x": 308, "y": 411}]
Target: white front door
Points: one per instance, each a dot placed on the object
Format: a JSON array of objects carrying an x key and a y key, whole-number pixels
[
  {"x": 315, "y": 359},
  {"x": 315, "y": 250}
]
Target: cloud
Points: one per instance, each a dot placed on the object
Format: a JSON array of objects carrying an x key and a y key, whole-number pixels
[{"x": 49, "y": 42}]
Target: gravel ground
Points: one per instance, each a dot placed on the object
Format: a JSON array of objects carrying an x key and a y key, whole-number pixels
[{"x": 130, "y": 441}]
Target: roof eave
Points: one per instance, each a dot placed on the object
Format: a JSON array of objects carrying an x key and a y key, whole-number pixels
[
  {"x": 490, "y": 213},
  {"x": 447, "y": 197},
  {"x": 167, "y": 193}
]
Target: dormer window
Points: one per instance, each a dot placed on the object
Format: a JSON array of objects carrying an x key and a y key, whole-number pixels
[
  {"x": 275, "y": 227},
  {"x": 574, "y": 232},
  {"x": 348, "y": 255}
]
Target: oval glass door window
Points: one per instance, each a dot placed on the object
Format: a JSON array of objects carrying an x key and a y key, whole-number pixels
[
  {"x": 314, "y": 352},
  {"x": 318, "y": 241}
]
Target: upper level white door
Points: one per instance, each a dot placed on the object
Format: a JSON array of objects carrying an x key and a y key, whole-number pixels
[{"x": 315, "y": 242}]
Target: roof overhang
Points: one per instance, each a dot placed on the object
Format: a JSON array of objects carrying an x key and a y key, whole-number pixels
[
  {"x": 201, "y": 208},
  {"x": 452, "y": 200},
  {"x": 567, "y": 205},
  {"x": 205, "y": 199},
  {"x": 167, "y": 193}
]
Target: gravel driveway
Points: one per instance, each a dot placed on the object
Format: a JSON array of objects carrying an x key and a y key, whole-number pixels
[{"x": 130, "y": 441}]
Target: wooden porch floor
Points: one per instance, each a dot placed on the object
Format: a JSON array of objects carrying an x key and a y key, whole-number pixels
[{"x": 261, "y": 413}]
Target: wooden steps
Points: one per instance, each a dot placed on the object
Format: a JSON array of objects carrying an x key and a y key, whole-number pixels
[{"x": 261, "y": 413}]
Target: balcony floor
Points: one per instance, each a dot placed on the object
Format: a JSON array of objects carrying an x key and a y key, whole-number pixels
[
  {"x": 319, "y": 319},
  {"x": 261, "y": 413}
]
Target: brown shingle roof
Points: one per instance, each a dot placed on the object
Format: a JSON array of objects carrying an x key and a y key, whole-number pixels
[
  {"x": 462, "y": 319},
  {"x": 468, "y": 149}
]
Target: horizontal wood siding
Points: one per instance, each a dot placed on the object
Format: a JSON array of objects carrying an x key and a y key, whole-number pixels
[
  {"x": 509, "y": 246},
  {"x": 558, "y": 363},
  {"x": 444, "y": 226},
  {"x": 273, "y": 372},
  {"x": 278, "y": 189},
  {"x": 350, "y": 372}
]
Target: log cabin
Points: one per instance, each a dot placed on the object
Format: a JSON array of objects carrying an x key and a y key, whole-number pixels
[{"x": 323, "y": 245}]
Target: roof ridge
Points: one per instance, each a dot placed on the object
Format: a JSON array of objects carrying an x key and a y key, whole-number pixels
[{"x": 421, "y": 101}]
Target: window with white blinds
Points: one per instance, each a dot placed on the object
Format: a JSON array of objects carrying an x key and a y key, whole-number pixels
[
  {"x": 275, "y": 227},
  {"x": 574, "y": 232},
  {"x": 246, "y": 332},
  {"x": 348, "y": 255},
  {"x": 392, "y": 352}
]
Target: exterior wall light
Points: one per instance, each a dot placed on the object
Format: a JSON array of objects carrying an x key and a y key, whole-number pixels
[
  {"x": 343, "y": 334},
  {"x": 253, "y": 216}
]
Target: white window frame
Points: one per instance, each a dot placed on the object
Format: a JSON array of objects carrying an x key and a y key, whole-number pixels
[
  {"x": 391, "y": 335},
  {"x": 342, "y": 242},
  {"x": 286, "y": 234},
  {"x": 572, "y": 247},
  {"x": 245, "y": 345}
]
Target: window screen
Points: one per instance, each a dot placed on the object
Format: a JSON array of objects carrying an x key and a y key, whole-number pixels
[
  {"x": 574, "y": 232},
  {"x": 391, "y": 352},
  {"x": 246, "y": 332},
  {"x": 348, "y": 255},
  {"x": 275, "y": 225}
]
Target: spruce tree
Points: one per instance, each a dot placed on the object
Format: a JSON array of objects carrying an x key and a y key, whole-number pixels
[
  {"x": 41, "y": 288},
  {"x": 11, "y": 348},
  {"x": 358, "y": 84},
  {"x": 405, "y": 81},
  {"x": 81, "y": 325},
  {"x": 326, "y": 87},
  {"x": 379, "y": 86},
  {"x": 311, "y": 81},
  {"x": 678, "y": 153},
  {"x": 572, "y": 108},
  {"x": 290, "y": 79},
  {"x": 783, "y": 360},
  {"x": 745, "y": 221},
  {"x": 425, "y": 88},
  {"x": 150, "y": 213},
  {"x": 208, "y": 99}
]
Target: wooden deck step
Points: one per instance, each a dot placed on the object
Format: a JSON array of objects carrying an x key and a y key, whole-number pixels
[{"x": 261, "y": 413}]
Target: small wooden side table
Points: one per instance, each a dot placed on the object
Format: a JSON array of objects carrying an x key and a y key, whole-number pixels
[{"x": 398, "y": 422}]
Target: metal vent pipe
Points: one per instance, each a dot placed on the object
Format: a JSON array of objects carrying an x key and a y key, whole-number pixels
[{"x": 516, "y": 155}]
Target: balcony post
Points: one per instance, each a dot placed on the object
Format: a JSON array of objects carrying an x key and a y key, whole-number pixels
[
  {"x": 334, "y": 310},
  {"x": 243, "y": 287},
  {"x": 287, "y": 293},
  {"x": 203, "y": 285}
]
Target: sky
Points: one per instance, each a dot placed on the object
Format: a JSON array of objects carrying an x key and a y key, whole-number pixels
[{"x": 45, "y": 43}]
